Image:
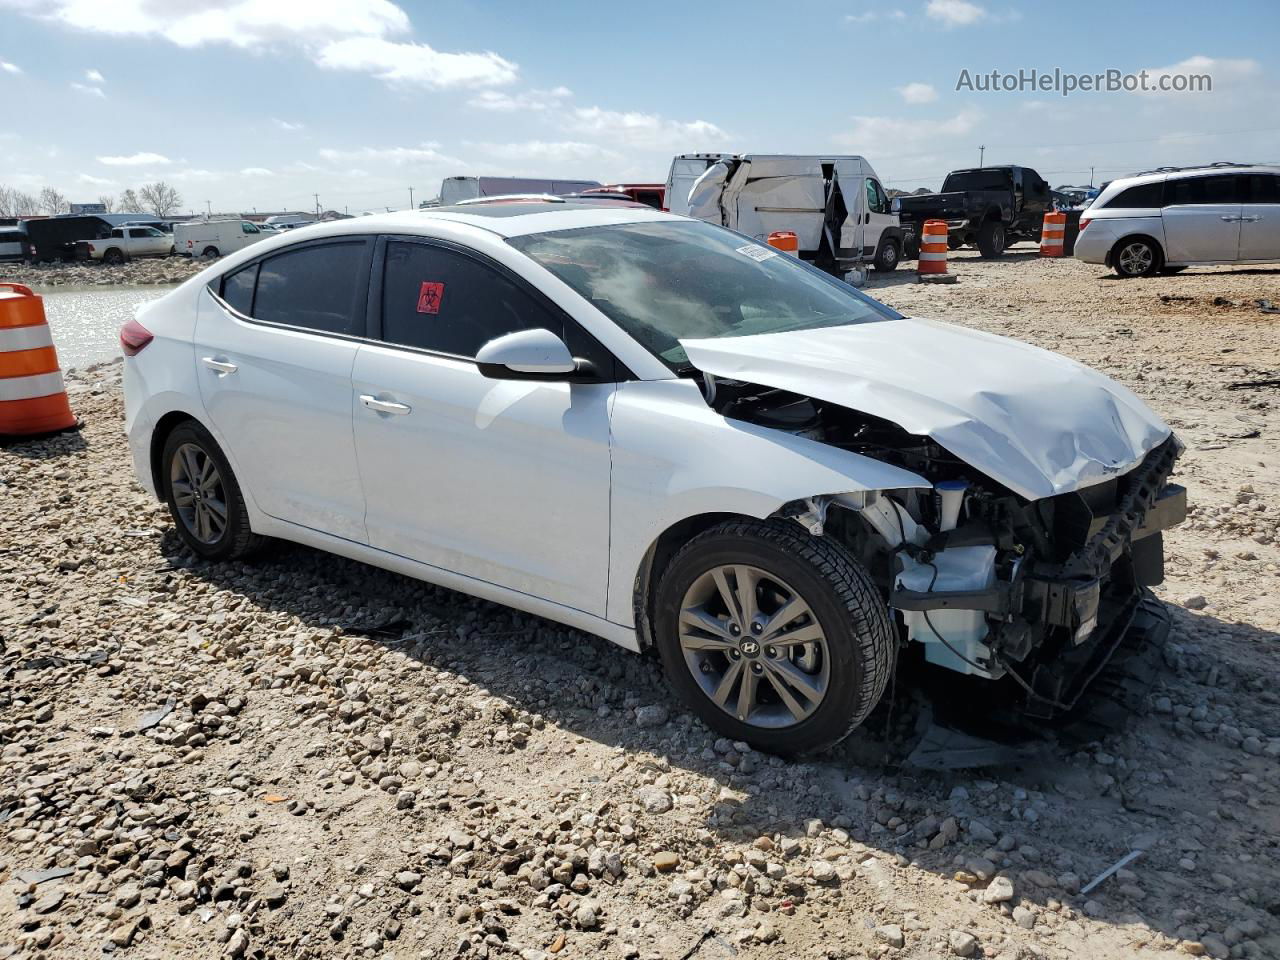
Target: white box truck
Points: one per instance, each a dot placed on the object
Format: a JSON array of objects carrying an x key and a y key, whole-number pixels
[
  {"x": 454, "y": 189},
  {"x": 835, "y": 205},
  {"x": 215, "y": 238}
]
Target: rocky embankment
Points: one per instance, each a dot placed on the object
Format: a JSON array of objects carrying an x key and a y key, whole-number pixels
[{"x": 151, "y": 270}]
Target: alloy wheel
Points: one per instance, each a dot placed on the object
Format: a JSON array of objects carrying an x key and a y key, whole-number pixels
[
  {"x": 754, "y": 646},
  {"x": 198, "y": 493},
  {"x": 1136, "y": 258}
]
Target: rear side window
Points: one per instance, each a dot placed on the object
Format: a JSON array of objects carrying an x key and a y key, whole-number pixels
[
  {"x": 1144, "y": 195},
  {"x": 1263, "y": 188},
  {"x": 237, "y": 289},
  {"x": 318, "y": 287},
  {"x": 1203, "y": 190},
  {"x": 439, "y": 300}
]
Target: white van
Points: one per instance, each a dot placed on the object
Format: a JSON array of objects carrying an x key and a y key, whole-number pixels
[
  {"x": 214, "y": 238},
  {"x": 835, "y": 206},
  {"x": 684, "y": 173},
  {"x": 455, "y": 189}
]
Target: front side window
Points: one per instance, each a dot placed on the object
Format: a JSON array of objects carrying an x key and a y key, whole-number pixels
[
  {"x": 876, "y": 201},
  {"x": 248, "y": 227},
  {"x": 117, "y": 234},
  {"x": 438, "y": 299},
  {"x": 667, "y": 281},
  {"x": 1224, "y": 188},
  {"x": 318, "y": 287},
  {"x": 1263, "y": 188}
]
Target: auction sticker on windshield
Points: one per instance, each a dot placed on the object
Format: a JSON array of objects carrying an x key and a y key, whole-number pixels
[{"x": 756, "y": 252}]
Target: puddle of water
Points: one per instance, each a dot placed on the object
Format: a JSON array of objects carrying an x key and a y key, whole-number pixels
[{"x": 86, "y": 320}]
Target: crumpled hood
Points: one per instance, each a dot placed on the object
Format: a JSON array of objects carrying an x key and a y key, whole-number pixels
[{"x": 1035, "y": 421}]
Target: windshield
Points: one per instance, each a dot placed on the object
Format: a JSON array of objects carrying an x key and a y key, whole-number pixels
[
  {"x": 672, "y": 280},
  {"x": 976, "y": 180}
]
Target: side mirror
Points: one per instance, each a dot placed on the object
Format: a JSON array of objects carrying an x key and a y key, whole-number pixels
[{"x": 526, "y": 355}]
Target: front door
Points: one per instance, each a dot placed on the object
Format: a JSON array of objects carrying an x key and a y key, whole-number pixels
[
  {"x": 1260, "y": 218},
  {"x": 506, "y": 481},
  {"x": 274, "y": 349},
  {"x": 1202, "y": 218},
  {"x": 879, "y": 215}
]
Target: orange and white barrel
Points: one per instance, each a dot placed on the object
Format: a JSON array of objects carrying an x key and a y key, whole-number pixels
[
  {"x": 933, "y": 248},
  {"x": 786, "y": 241},
  {"x": 1053, "y": 234},
  {"x": 33, "y": 399}
]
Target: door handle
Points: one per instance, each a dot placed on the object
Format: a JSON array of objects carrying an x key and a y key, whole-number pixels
[
  {"x": 222, "y": 367},
  {"x": 385, "y": 406},
  {"x": 1226, "y": 219},
  {"x": 1252, "y": 219}
]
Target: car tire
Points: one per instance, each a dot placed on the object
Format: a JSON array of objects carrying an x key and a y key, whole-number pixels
[
  {"x": 799, "y": 696},
  {"x": 954, "y": 242},
  {"x": 114, "y": 257},
  {"x": 1136, "y": 257},
  {"x": 991, "y": 239},
  {"x": 911, "y": 248},
  {"x": 210, "y": 253},
  {"x": 887, "y": 256},
  {"x": 210, "y": 514}
]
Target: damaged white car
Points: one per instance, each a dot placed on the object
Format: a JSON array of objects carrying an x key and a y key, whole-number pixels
[{"x": 664, "y": 433}]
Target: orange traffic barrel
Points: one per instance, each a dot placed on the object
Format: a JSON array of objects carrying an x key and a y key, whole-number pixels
[
  {"x": 33, "y": 399},
  {"x": 933, "y": 248},
  {"x": 785, "y": 241},
  {"x": 1053, "y": 234}
]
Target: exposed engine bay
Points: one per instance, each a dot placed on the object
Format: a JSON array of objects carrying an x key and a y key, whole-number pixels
[{"x": 991, "y": 583}]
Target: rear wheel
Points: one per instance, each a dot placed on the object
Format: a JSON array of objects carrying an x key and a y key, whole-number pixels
[
  {"x": 210, "y": 253},
  {"x": 204, "y": 497},
  {"x": 991, "y": 239},
  {"x": 113, "y": 256},
  {"x": 773, "y": 636},
  {"x": 1136, "y": 257}
]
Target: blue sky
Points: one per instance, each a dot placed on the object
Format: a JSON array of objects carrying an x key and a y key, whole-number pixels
[{"x": 263, "y": 103}]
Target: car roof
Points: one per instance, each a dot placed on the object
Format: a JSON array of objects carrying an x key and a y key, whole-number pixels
[{"x": 507, "y": 219}]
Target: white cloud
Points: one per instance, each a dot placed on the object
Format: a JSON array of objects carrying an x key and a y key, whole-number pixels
[
  {"x": 91, "y": 91},
  {"x": 287, "y": 125},
  {"x": 256, "y": 172},
  {"x": 336, "y": 34},
  {"x": 550, "y": 152},
  {"x": 954, "y": 13},
  {"x": 528, "y": 100},
  {"x": 8, "y": 67},
  {"x": 416, "y": 64},
  {"x": 396, "y": 156},
  {"x": 96, "y": 181},
  {"x": 894, "y": 137},
  {"x": 871, "y": 16},
  {"x": 136, "y": 160},
  {"x": 645, "y": 129},
  {"x": 93, "y": 76},
  {"x": 1224, "y": 73},
  {"x": 918, "y": 93}
]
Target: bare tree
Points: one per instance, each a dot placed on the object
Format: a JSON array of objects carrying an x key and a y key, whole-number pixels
[
  {"x": 160, "y": 198},
  {"x": 8, "y": 201},
  {"x": 24, "y": 204},
  {"x": 108, "y": 203},
  {"x": 129, "y": 202},
  {"x": 51, "y": 201}
]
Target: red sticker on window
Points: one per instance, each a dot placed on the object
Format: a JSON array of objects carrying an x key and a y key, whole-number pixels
[{"x": 429, "y": 297}]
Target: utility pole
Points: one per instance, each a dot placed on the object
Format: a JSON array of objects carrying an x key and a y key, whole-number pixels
[
  {"x": 982, "y": 152},
  {"x": 317, "y": 196},
  {"x": 1091, "y": 176},
  {"x": 411, "y": 198},
  {"x": 208, "y": 208}
]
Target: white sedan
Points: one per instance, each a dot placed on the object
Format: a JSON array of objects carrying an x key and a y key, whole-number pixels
[{"x": 667, "y": 434}]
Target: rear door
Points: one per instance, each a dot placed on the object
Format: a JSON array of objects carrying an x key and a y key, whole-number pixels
[
  {"x": 1260, "y": 218},
  {"x": 506, "y": 481},
  {"x": 275, "y": 344},
  {"x": 1202, "y": 217}
]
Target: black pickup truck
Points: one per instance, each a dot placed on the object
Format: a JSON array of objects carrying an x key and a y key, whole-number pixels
[{"x": 990, "y": 206}]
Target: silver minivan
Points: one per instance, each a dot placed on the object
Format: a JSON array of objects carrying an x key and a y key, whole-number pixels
[{"x": 1167, "y": 219}]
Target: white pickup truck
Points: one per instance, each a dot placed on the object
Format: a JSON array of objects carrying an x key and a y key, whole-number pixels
[{"x": 127, "y": 242}]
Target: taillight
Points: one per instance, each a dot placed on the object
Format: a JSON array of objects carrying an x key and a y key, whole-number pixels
[
  {"x": 133, "y": 337},
  {"x": 91, "y": 248},
  {"x": 1083, "y": 223}
]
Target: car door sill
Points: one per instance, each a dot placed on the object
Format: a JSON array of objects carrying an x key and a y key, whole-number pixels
[{"x": 620, "y": 634}]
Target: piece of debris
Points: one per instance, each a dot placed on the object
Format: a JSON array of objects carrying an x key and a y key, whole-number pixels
[
  {"x": 1254, "y": 384},
  {"x": 945, "y": 748},
  {"x": 1120, "y": 864},
  {"x": 1223, "y": 302},
  {"x": 1175, "y": 297},
  {"x": 155, "y": 717},
  {"x": 1266, "y": 306},
  {"x": 33, "y": 877}
]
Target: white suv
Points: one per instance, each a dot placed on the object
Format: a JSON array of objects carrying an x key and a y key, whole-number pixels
[
  {"x": 664, "y": 433},
  {"x": 1168, "y": 219}
]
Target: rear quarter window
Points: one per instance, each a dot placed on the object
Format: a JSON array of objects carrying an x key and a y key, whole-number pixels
[{"x": 1143, "y": 196}]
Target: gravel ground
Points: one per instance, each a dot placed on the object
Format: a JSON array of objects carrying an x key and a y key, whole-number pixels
[
  {"x": 305, "y": 757},
  {"x": 142, "y": 271}
]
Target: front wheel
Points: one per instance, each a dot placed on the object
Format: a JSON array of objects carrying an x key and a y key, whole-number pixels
[
  {"x": 887, "y": 256},
  {"x": 991, "y": 239},
  {"x": 773, "y": 636},
  {"x": 204, "y": 497}
]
